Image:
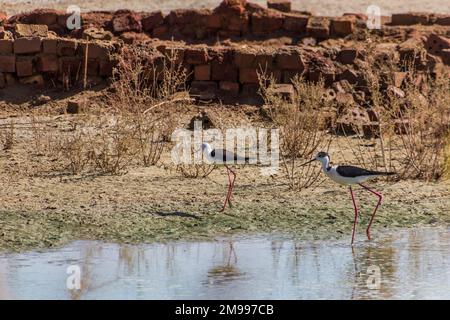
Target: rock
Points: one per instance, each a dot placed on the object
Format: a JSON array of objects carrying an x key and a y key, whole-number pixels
[
  {"x": 75, "y": 106},
  {"x": 37, "y": 80}
]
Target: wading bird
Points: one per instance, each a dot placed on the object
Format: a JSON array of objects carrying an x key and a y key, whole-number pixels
[
  {"x": 224, "y": 157},
  {"x": 348, "y": 175}
]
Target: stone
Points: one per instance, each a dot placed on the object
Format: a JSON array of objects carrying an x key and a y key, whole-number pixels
[
  {"x": 75, "y": 106},
  {"x": 8, "y": 63},
  {"x": 202, "y": 72},
  {"x": 27, "y": 45},
  {"x": 30, "y": 30},
  {"x": 280, "y": 5},
  {"x": 36, "y": 80}
]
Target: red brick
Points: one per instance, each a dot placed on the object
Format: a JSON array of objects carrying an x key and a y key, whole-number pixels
[
  {"x": 152, "y": 20},
  {"x": 266, "y": 21},
  {"x": 202, "y": 72},
  {"x": 288, "y": 75},
  {"x": 49, "y": 46},
  {"x": 229, "y": 87},
  {"x": 318, "y": 27},
  {"x": 27, "y": 45},
  {"x": 290, "y": 59},
  {"x": 248, "y": 75},
  {"x": 106, "y": 67},
  {"x": 347, "y": 55},
  {"x": 98, "y": 50},
  {"x": 342, "y": 26},
  {"x": 436, "y": 43},
  {"x": 66, "y": 47},
  {"x": 160, "y": 32},
  {"x": 253, "y": 59},
  {"x": 284, "y": 91},
  {"x": 204, "y": 89},
  {"x": 223, "y": 71},
  {"x": 295, "y": 22},
  {"x": 126, "y": 20},
  {"x": 69, "y": 65},
  {"x": 2, "y": 80},
  {"x": 92, "y": 67},
  {"x": 442, "y": 19},
  {"x": 213, "y": 21},
  {"x": 24, "y": 66},
  {"x": 280, "y": 5},
  {"x": 6, "y": 46},
  {"x": 7, "y": 63},
  {"x": 196, "y": 55},
  {"x": 409, "y": 18},
  {"x": 47, "y": 63}
]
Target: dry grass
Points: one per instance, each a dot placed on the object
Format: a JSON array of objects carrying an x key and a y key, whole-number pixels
[{"x": 301, "y": 124}]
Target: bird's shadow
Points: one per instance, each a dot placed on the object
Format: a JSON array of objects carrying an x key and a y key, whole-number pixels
[{"x": 177, "y": 214}]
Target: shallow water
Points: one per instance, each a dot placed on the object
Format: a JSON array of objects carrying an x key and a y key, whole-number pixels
[{"x": 406, "y": 264}]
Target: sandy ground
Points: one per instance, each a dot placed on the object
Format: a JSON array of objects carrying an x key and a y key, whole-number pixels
[
  {"x": 319, "y": 7},
  {"x": 42, "y": 209}
]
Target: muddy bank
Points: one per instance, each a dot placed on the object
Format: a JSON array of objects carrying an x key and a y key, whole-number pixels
[{"x": 152, "y": 204}]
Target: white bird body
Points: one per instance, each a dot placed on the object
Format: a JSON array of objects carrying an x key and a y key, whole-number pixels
[
  {"x": 348, "y": 175},
  {"x": 221, "y": 156}
]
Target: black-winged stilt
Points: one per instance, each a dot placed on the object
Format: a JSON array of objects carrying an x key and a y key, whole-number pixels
[
  {"x": 348, "y": 175},
  {"x": 224, "y": 157}
]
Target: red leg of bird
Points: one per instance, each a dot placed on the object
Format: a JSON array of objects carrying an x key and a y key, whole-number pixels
[
  {"x": 227, "y": 198},
  {"x": 232, "y": 186},
  {"x": 356, "y": 214},
  {"x": 380, "y": 197}
]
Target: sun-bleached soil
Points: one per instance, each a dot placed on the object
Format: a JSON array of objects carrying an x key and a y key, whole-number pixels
[{"x": 321, "y": 7}]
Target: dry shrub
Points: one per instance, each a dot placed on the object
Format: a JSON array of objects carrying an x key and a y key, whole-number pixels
[
  {"x": 7, "y": 134},
  {"x": 425, "y": 125},
  {"x": 301, "y": 124},
  {"x": 197, "y": 170}
]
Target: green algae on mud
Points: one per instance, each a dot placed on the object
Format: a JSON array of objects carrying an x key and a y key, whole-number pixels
[{"x": 330, "y": 216}]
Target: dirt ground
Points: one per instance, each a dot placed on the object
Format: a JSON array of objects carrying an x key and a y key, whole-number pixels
[
  {"x": 321, "y": 7},
  {"x": 41, "y": 209}
]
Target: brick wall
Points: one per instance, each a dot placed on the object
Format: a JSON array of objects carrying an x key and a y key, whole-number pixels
[{"x": 34, "y": 59}]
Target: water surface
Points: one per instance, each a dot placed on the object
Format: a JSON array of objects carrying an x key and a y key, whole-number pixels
[{"x": 410, "y": 264}]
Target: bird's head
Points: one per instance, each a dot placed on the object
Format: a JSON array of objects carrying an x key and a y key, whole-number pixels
[
  {"x": 205, "y": 146},
  {"x": 321, "y": 156}
]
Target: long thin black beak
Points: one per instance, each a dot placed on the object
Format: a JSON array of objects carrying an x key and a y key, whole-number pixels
[{"x": 307, "y": 162}]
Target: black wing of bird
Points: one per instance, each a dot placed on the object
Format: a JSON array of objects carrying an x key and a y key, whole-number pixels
[
  {"x": 226, "y": 155},
  {"x": 351, "y": 172}
]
